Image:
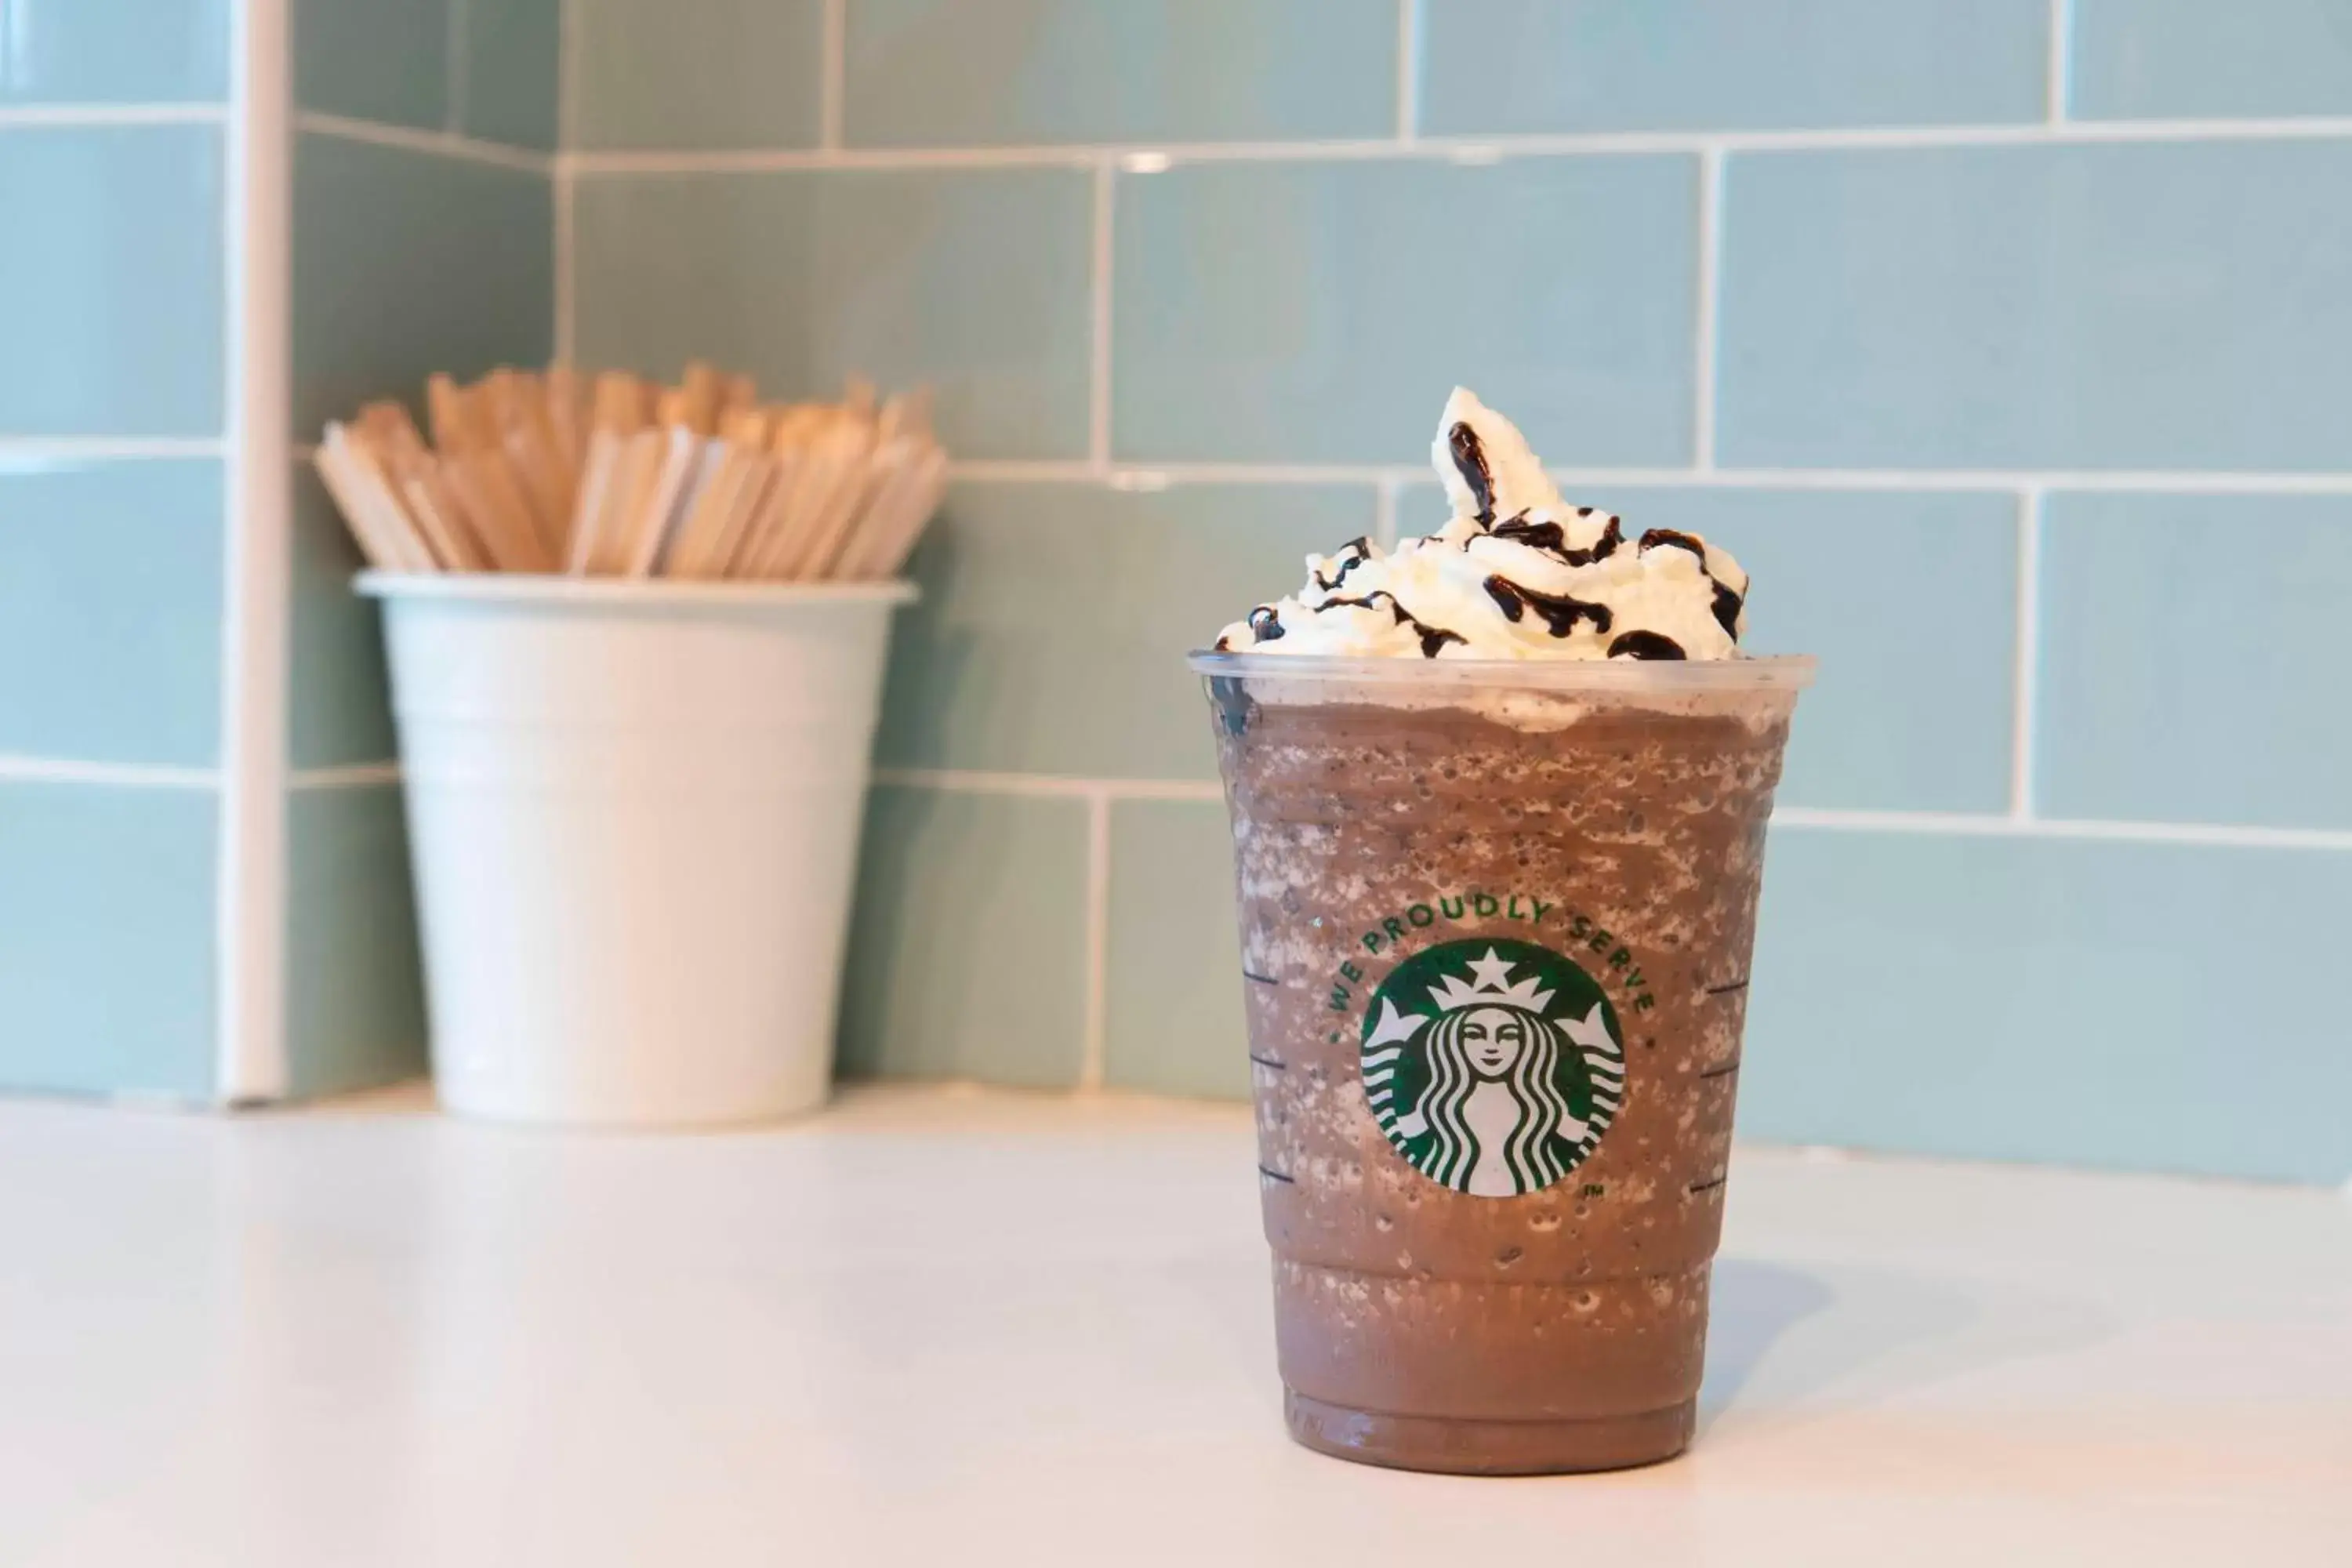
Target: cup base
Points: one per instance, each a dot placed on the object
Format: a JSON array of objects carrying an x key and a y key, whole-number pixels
[{"x": 1489, "y": 1448}]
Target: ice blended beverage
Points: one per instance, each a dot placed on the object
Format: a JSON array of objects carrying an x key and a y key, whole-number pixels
[{"x": 1498, "y": 800}]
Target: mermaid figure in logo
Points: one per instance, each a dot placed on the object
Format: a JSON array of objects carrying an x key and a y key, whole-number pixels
[{"x": 1496, "y": 1118}]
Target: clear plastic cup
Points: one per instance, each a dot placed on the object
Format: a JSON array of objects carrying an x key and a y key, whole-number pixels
[{"x": 1495, "y": 922}]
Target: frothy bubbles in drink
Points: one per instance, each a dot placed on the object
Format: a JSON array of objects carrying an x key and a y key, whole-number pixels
[{"x": 1516, "y": 573}]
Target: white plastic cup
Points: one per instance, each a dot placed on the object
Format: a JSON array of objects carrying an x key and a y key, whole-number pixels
[{"x": 633, "y": 814}]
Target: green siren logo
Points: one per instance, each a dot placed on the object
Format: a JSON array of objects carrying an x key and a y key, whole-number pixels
[{"x": 1493, "y": 1066}]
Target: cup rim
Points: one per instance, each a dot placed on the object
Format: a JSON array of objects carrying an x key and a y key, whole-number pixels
[
  {"x": 537, "y": 587},
  {"x": 1775, "y": 672}
]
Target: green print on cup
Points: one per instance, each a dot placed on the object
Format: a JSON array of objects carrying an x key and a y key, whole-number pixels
[{"x": 1493, "y": 1066}]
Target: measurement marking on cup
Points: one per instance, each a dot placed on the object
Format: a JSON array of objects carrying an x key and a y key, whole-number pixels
[
  {"x": 1726, "y": 990},
  {"x": 1248, "y": 974},
  {"x": 1718, "y": 1072},
  {"x": 1270, "y": 1062},
  {"x": 1277, "y": 1176},
  {"x": 1707, "y": 1186}
]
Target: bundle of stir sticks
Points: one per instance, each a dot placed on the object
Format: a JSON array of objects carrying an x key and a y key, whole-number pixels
[{"x": 622, "y": 478}]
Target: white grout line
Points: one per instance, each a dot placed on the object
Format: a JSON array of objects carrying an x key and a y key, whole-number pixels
[
  {"x": 249, "y": 1041},
  {"x": 1147, "y": 475},
  {"x": 349, "y": 775},
  {"x": 1990, "y": 826},
  {"x": 107, "y": 449},
  {"x": 44, "y": 116},
  {"x": 438, "y": 143},
  {"x": 1468, "y": 149},
  {"x": 1384, "y": 512},
  {"x": 1408, "y": 86},
  {"x": 1094, "y": 1041},
  {"x": 1710, "y": 271},
  {"x": 132, "y": 775},
  {"x": 832, "y": 83},
  {"x": 2025, "y": 663},
  {"x": 1049, "y": 786},
  {"x": 2058, "y": 89},
  {"x": 1104, "y": 243},
  {"x": 458, "y": 66}
]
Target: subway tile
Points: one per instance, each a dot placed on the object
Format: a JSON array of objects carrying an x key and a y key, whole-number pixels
[
  {"x": 2087, "y": 1002},
  {"x": 1909, "y": 600},
  {"x": 406, "y": 263},
  {"x": 337, "y": 708},
  {"x": 2161, "y": 305},
  {"x": 111, "y": 305},
  {"x": 114, "y": 51},
  {"x": 355, "y": 996},
  {"x": 1318, "y": 312},
  {"x": 967, "y": 955},
  {"x": 1537, "y": 66},
  {"x": 934, "y": 73},
  {"x": 2190, "y": 663},
  {"x": 1055, "y": 618},
  {"x": 385, "y": 60},
  {"x": 106, "y": 939},
  {"x": 1174, "y": 1023},
  {"x": 973, "y": 281},
  {"x": 695, "y": 74},
  {"x": 509, "y": 84},
  {"x": 111, "y": 610},
  {"x": 2195, "y": 59}
]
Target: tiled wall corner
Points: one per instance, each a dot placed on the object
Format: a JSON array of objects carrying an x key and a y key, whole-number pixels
[{"x": 424, "y": 240}]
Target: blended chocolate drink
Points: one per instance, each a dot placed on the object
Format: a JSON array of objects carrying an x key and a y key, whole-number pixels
[{"x": 1499, "y": 801}]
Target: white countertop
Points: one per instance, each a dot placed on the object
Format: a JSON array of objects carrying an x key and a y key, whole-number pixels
[{"x": 943, "y": 1327}]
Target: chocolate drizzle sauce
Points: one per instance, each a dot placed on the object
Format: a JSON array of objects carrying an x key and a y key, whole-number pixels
[
  {"x": 1470, "y": 462},
  {"x": 1431, "y": 637},
  {"x": 1726, "y": 611},
  {"x": 1266, "y": 623},
  {"x": 1552, "y": 537},
  {"x": 1558, "y": 612},
  {"x": 1645, "y": 645},
  {"x": 1658, "y": 536},
  {"x": 1358, "y": 551}
]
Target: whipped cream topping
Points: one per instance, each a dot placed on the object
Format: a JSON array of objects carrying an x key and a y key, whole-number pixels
[{"x": 1516, "y": 573}]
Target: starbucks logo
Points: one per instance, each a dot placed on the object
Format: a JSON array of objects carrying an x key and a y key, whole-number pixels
[{"x": 1493, "y": 1066}]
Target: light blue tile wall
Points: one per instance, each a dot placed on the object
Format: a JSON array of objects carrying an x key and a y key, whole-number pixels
[
  {"x": 339, "y": 709},
  {"x": 114, "y": 51},
  {"x": 354, "y": 989},
  {"x": 113, "y": 290},
  {"x": 2192, "y": 58},
  {"x": 2163, "y": 305},
  {"x": 942, "y": 73},
  {"x": 111, "y": 280},
  {"x": 111, "y": 610},
  {"x": 2190, "y": 659},
  {"x": 1051, "y": 633},
  {"x": 107, "y": 938},
  {"x": 1836, "y": 281},
  {"x": 696, "y": 73},
  {"x": 2113, "y": 1004},
  {"x": 1536, "y": 66},
  {"x": 483, "y": 68},
  {"x": 968, "y": 954},
  {"x": 1252, "y": 323},
  {"x": 975, "y": 283}
]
